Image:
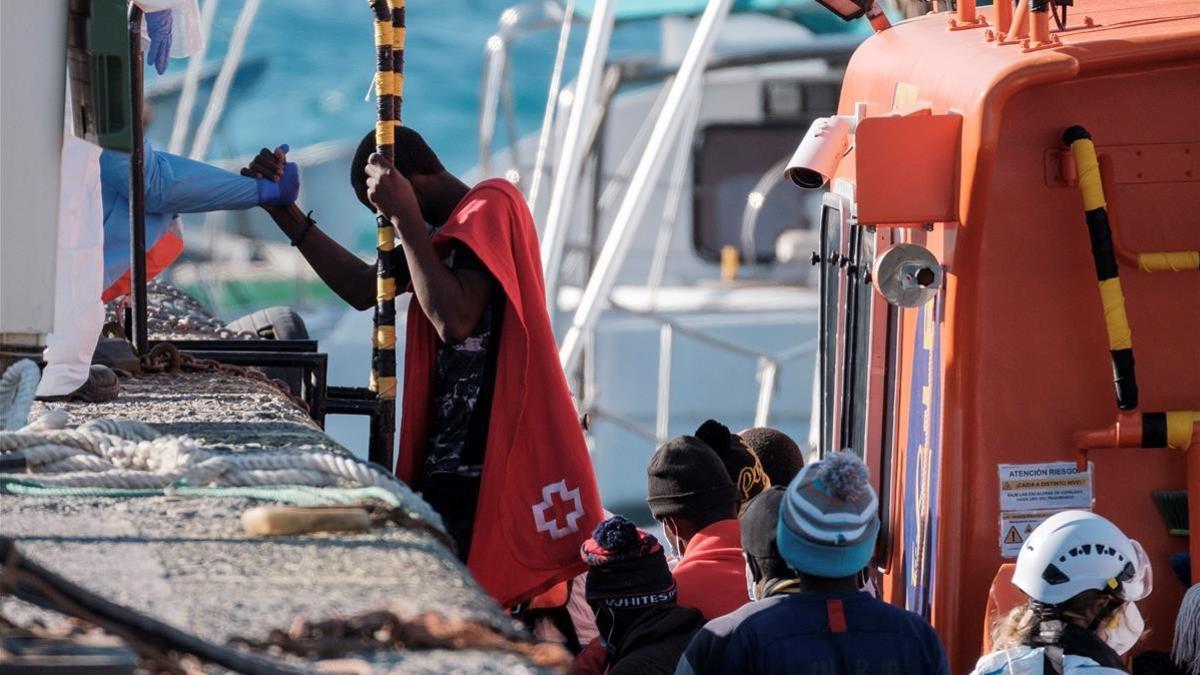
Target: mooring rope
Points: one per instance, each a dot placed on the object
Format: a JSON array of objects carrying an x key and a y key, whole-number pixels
[
  {"x": 125, "y": 454},
  {"x": 18, "y": 385}
]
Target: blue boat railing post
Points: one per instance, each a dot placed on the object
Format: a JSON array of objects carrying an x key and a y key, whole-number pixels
[{"x": 137, "y": 186}]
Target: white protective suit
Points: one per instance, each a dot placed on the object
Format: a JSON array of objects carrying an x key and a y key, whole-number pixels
[
  {"x": 1026, "y": 660},
  {"x": 78, "y": 312}
]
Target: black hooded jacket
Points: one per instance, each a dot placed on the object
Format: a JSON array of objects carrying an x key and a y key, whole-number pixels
[{"x": 655, "y": 641}]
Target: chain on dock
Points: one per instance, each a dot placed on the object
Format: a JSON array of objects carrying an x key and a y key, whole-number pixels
[
  {"x": 172, "y": 312},
  {"x": 166, "y": 358},
  {"x": 385, "y": 630}
]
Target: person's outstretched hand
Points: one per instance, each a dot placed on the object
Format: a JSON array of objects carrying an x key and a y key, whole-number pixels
[
  {"x": 278, "y": 179},
  {"x": 158, "y": 25},
  {"x": 389, "y": 191}
]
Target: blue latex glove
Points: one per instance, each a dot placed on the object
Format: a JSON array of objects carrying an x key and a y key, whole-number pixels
[
  {"x": 158, "y": 25},
  {"x": 285, "y": 190}
]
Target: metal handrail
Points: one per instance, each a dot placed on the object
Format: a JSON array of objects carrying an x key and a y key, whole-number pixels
[
  {"x": 560, "y": 59},
  {"x": 495, "y": 85},
  {"x": 220, "y": 90},
  {"x": 755, "y": 201},
  {"x": 767, "y": 372},
  {"x": 191, "y": 81},
  {"x": 625, "y": 423},
  {"x": 666, "y": 227}
]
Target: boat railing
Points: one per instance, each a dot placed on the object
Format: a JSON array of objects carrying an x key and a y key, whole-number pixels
[
  {"x": 767, "y": 370},
  {"x": 754, "y": 205},
  {"x": 496, "y": 88}
]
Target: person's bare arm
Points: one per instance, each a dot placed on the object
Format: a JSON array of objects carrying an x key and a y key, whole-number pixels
[
  {"x": 453, "y": 300},
  {"x": 351, "y": 278}
]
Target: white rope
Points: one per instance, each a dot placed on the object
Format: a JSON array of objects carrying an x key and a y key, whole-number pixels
[
  {"x": 55, "y": 418},
  {"x": 116, "y": 478},
  {"x": 1186, "y": 650},
  {"x": 72, "y": 463},
  {"x": 128, "y": 454},
  {"x": 18, "y": 385},
  {"x": 279, "y": 477}
]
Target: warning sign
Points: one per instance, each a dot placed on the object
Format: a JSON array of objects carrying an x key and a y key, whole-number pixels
[
  {"x": 1016, "y": 527},
  {"x": 1055, "y": 486}
]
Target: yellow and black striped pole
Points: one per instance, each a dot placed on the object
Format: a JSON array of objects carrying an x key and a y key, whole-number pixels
[
  {"x": 1120, "y": 337},
  {"x": 389, "y": 64}
]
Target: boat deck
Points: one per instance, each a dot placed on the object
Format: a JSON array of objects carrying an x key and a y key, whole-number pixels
[{"x": 188, "y": 562}]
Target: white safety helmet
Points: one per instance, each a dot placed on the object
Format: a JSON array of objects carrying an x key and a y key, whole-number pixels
[{"x": 1072, "y": 552}]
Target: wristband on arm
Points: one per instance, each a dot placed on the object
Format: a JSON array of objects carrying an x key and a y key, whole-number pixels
[{"x": 309, "y": 223}]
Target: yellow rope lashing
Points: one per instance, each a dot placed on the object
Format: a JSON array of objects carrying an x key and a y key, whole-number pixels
[
  {"x": 1113, "y": 300},
  {"x": 1179, "y": 428},
  {"x": 1169, "y": 261},
  {"x": 1087, "y": 168},
  {"x": 385, "y": 288},
  {"x": 384, "y": 386}
]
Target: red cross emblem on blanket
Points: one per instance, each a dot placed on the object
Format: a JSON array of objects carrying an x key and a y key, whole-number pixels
[{"x": 558, "y": 503}]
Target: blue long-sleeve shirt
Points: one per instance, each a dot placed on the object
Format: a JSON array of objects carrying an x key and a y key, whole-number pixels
[{"x": 174, "y": 185}]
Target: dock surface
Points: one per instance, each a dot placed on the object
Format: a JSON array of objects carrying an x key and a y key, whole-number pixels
[{"x": 188, "y": 562}]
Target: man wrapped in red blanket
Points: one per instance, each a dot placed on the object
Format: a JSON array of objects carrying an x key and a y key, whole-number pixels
[{"x": 489, "y": 433}]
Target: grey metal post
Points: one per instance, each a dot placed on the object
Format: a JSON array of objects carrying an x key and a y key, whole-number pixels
[
  {"x": 137, "y": 186},
  {"x": 641, "y": 185},
  {"x": 570, "y": 161}
]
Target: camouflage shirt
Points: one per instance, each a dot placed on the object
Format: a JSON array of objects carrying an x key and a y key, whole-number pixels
[{"x": 463, "y": 385}]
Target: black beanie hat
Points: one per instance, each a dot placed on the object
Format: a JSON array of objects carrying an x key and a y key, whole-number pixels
[
  {"x": 740, "y": 462},
  {"x": 781, "y": 458},
  {"x": 627, "y": 568},
  {"x": 759, "y": 521},
  {"x": 686, "y": 477}
]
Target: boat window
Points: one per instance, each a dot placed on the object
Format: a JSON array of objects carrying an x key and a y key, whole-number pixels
[
  {"x": 857, "y": 351},
  {"x": 831, "y": 235},
  {"x": 728, "y": 164}
]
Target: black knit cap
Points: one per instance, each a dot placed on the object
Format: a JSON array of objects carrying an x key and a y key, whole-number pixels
[
  {"x": 627, "y": 568},
  {"x": 686, "y": 476},
  {"x": 781, "y": 457},
  {"x": 740, "y": 462},
  {"x": 758, "y": 523}
]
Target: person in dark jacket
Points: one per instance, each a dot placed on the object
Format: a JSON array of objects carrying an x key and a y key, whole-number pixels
[
  {"x": 828, "y": 522},
  {"x": 767, "y": 573},
  {"x": 631, "y": 590}
]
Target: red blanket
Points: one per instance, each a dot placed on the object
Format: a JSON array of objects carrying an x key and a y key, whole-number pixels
[{"x": 539, "y": 501}]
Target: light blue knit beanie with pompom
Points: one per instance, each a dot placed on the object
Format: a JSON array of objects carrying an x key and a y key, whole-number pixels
[{"x": 829, "y": 518}]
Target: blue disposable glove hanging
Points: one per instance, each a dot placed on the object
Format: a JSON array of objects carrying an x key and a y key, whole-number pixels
[
  {"x": 284, "y": 191},
  {"x": 158, "y": 25}
]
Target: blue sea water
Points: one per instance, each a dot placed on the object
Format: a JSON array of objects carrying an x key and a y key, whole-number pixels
[{"x": 318, "y": 63}]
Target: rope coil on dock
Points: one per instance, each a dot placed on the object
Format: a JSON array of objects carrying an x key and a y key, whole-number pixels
[
  {"x": 18, "y": 386},
  {"x": 123, "y": 454}
]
